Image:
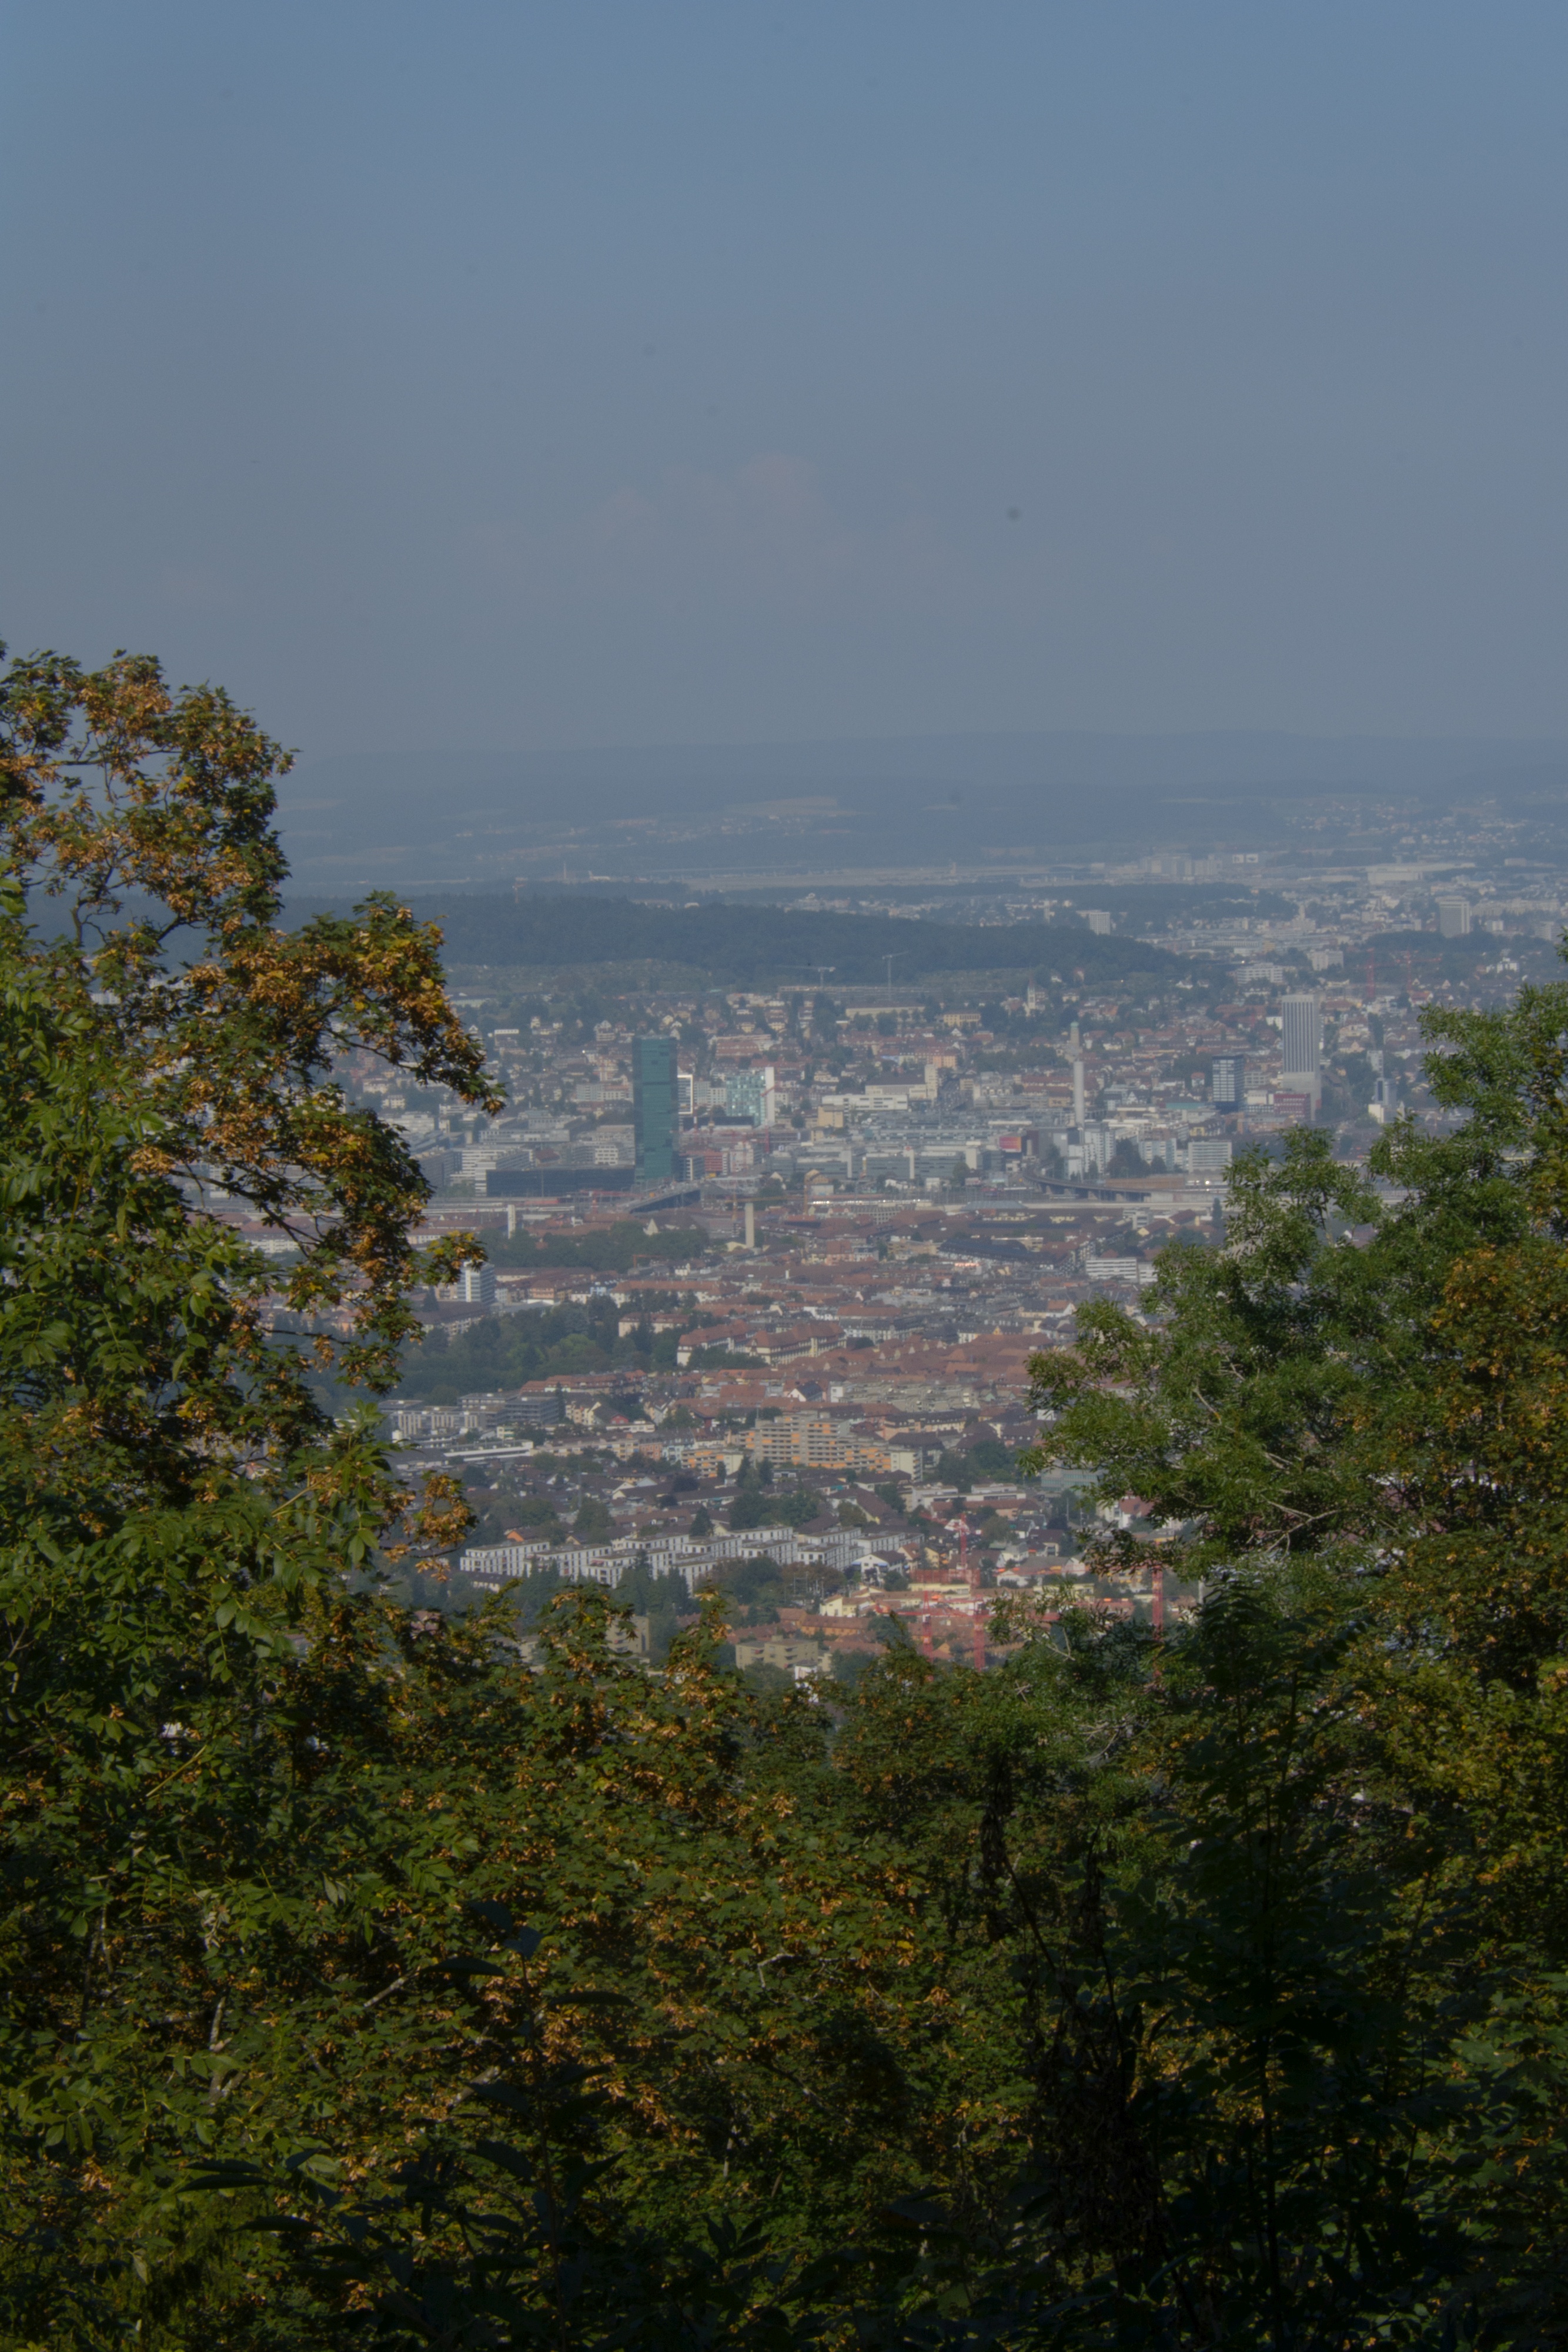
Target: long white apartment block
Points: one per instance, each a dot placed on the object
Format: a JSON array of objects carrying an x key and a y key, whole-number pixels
[{"x": 693, "y": 1558}]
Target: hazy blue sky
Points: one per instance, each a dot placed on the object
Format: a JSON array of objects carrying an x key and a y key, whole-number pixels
[{"x": 479, "y": 373}]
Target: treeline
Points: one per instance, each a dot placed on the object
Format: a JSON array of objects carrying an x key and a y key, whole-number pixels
[
  {"x": 505, "y": 1351},
  {"x": 1154, "y": 905},
  {"x": 611, "y": 1249},
  {"x": 748, "y": 946},
  {"x": 1398, "y": 957}
]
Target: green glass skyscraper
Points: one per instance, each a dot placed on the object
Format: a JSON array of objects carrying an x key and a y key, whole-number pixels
[{"x": 655, "y": 1117}]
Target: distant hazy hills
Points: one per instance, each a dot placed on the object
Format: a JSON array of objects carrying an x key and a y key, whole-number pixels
[
  {"x": 471, "y": 819},
  {"x": 755, "y": 946}
]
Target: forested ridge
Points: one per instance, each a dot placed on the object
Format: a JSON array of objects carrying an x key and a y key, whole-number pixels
[
  {"x": 365, "y": 1984},
  {"x": 746, "y": 945}
]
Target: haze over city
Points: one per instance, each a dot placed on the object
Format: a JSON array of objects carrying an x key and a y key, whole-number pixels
[{"x": 501, "y": 379}]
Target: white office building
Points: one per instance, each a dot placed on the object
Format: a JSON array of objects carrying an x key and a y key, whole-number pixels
[{"x": 1209, "y": 1155}]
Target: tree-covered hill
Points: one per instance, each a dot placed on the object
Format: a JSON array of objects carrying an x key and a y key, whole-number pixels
[{"x": 754, "y": 945}]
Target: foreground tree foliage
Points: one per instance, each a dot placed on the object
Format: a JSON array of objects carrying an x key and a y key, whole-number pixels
[
  {"x": 1357, "y": 1412},
  {"x": 362, "y": 1986}
]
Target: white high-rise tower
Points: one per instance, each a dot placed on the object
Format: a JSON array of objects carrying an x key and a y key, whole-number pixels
[{"x": 1301, "y": 1047}]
